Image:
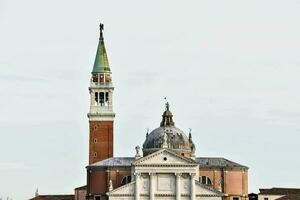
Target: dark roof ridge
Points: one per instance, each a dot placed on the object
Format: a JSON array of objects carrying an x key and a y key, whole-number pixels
[{"x": 279, "y": 190}]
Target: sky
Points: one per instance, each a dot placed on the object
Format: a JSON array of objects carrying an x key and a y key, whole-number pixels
[{"x": 230, "y": 70}]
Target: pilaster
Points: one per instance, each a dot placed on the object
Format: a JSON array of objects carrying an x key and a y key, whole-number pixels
[
  {"x": 152, "y": 186},
  {"x": 137, "y": 186},
  {"x": 193, "y": 192},
  {"x": 178, "y": 192}
]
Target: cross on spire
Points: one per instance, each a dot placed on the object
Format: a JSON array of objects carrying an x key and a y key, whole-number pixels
[{"x": 101, "y": 27}]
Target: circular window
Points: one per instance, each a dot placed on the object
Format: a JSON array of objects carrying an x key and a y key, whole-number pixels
[{"x": 165, "y": 158}]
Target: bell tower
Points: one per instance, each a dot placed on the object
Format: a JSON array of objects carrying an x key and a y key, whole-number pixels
[{"x": 101, "y": 115}]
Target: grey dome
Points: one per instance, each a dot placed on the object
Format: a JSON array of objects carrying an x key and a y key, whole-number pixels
[{"x": 168, "y": 136}]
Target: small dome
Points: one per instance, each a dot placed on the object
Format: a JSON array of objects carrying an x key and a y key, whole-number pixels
[{"x": 168, "y": 136}]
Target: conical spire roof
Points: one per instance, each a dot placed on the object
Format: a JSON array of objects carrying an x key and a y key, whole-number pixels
[{"x": 101, "y": 64}]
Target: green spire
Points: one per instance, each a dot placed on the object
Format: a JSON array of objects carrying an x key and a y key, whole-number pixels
[{"x": 101, "y": 64}]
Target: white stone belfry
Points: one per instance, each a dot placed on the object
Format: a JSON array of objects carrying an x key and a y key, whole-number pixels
[{"x": 101, "y": 87}]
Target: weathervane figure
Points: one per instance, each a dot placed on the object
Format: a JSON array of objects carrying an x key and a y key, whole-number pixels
[{"x": 167, "y": 103}]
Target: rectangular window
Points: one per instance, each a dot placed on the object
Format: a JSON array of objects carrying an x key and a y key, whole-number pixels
[
  {"x": 266, "y": 198},
  {"x": 101, "y": 78},
  {"x": 236, "y": 198},
  {"x": 101, "y": 97},
  {"x": 96, "y": 97},
  {"x": 106, "y": 96}
]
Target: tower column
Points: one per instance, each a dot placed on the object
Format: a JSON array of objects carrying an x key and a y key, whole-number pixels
[{"x": 178, "y": 192}]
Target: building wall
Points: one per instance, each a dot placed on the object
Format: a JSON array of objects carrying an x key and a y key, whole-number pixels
[
  {"x": 101, "y": 140},
  {"x": 270, "y": 197},
  {"x": 80, "y": 194},
  {"x": 98, "y": 181},
  {"x": 233, "y": 182}
]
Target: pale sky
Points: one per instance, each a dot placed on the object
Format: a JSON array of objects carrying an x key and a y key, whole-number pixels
[{"x": 230, "y": 70}]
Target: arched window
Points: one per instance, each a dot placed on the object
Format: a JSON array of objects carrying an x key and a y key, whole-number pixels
[
  {"x": 125, "y": 180},
  {"x": 205, "y": 180}
]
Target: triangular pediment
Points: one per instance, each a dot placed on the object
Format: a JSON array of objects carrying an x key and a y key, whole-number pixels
[
  {"x": 203, "y": 190},
  {"x": 164, "y": 157},
  {"x": 125, "y": 190}
]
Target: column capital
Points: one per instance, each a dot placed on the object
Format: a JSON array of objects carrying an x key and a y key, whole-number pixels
[
  {"x": 152, "y": 173},
  {"x": 178, "y": 174},
  {"x": 137, "y": 174},
  {"x": 192, "y": 175}
]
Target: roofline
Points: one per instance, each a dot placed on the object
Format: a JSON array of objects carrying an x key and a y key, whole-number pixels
[
  {"x": 192, "y": 162},
  {"x": 226, "y": 167},
  {"x": 239, "y": 166}
]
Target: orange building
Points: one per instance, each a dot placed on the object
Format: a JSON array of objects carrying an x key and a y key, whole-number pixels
[{"x": 106, "y": 172}]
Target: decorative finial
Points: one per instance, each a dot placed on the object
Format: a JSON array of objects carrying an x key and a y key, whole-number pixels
[
  {"x": 166, "y": 103},
  {"x": 190, "y": 135},
  {"x": 193, "y": 150},
  {"x": 147, "y": 133},
  {"x": 101, "y": 26},
  {"x": 37, "y": 192}
]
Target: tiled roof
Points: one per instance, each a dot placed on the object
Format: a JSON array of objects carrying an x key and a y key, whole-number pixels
[
  {"x": 290, "y": 197},
  {"x": 217, "y": 162},
  {"x": 55, "y": 197},
  {"x": 203, "y": 162},
  {"x": 114, "y": 162},
  {"x": 279, "y": 191},
  {"x": 81, "y": 188}
]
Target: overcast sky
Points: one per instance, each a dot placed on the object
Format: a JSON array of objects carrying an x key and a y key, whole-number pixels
[{"x": 230, "y": 70}]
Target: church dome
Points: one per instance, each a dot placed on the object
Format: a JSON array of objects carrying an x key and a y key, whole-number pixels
[{"x": 168, "y": 136}]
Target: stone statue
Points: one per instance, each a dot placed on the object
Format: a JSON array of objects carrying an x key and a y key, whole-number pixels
[
  {"x": 110, "y": 185},
  {"x": 165, "y": 140},
  {"x": 137, "y": 152}
]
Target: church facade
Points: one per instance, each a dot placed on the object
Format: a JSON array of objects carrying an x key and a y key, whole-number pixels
[{"x": 166, "y": 166}]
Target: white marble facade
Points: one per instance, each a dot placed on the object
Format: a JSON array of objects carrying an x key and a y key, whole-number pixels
[{"x": 167, "y": 176}]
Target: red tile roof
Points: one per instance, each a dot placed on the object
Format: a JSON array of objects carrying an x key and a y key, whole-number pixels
[{"x": 54, "y": 197}]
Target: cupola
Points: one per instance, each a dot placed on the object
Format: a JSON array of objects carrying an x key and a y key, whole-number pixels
[{"x": 168, "y": 136}]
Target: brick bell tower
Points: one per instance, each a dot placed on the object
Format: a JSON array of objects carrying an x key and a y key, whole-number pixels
[{"x": 101, "y": 115}]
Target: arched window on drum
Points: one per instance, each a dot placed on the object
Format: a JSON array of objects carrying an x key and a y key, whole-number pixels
[
  {"x": 205, "y": 180},
  {"x": 125, "y": 180}
]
